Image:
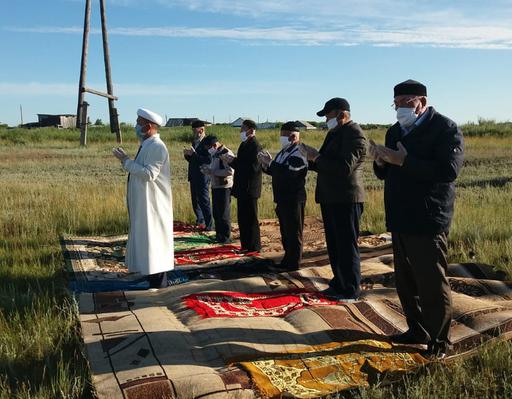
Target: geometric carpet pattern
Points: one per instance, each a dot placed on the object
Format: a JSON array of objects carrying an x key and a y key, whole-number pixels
[{"x": 156, "y": 344}]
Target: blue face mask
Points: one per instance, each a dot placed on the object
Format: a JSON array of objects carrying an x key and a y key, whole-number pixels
[{"x": 138, "y": 132}]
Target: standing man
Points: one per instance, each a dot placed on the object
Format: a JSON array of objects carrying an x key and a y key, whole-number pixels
[
  {"x": 221, "y": 175},
  {"x": 340, "y": 193},
  {"x": 247, "y": 185},
  {"x": 419, "y": 163},
  {"x": 197, "y": 155},
  {"x": 150, "y": 249},
  {"x": 288, "y": 172}
]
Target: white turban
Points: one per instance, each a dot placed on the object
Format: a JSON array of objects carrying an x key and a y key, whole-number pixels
[{"x": 150, "y": 116}]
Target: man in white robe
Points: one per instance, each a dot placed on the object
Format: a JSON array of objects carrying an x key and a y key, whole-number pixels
[{"x": 150, "y": 247}]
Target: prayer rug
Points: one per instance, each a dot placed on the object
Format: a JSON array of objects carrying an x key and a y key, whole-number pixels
[
  {"x": 147, "y": 344},
  {"x": 96, "y": 264},
  {"x": 142, "y": 342},
  {"x": 313, "y": 237},
  {"x": 213, "y": 254},
  {"x": 180, "y": 228},
  {"x": 328, "y": 369},
  {"x": 188, "y": 241},
  {"x": 265, "y": 304}
]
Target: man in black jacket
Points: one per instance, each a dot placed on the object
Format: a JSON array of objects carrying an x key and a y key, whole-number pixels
[
  {"x": 421, "y": 159},
  {"x": 247, "y": 185},
  {"x": 197, "y": 156},
  {"x": 340, "y": 193},
  {"x": 288, "y": 171}
]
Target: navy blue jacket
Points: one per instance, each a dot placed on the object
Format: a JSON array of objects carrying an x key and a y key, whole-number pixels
[
  {"x": 289, "y": 175},
  {"x": 419, "y": 195},
  {"x": 200, "y": 157}
]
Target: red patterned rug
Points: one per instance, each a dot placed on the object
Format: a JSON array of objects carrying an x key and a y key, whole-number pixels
[
  {"x": 206, "y": 255},
  {"x": 265, "y": 304},
  {"x": 180, "y": 227}
]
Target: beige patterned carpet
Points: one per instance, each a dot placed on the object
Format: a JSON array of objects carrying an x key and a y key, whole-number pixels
[{"x": 144, "y": 344}]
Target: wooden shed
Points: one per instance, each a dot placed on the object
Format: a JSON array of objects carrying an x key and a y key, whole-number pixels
[
  {"x": 304, "y": 125},
  {"x": 65, "y": 121}
]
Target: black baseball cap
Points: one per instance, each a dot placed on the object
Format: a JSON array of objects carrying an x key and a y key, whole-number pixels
[{"x": 334, "y": 103}]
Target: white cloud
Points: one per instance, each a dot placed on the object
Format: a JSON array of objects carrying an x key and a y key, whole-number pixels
[
  {"x": 211, "y": 88},
  {"x": 473, "y": 36},
  {"x": 352, "y": 11},
  {"x": 383, "y": 13}
]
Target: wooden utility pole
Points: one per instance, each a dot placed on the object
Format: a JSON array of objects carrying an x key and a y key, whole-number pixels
[
  {"x": 82, "y": 89},
  {"x": 112, "y": 111},
  {"x": 83, "y": 124},
  {"x": 83, "y": 63}
]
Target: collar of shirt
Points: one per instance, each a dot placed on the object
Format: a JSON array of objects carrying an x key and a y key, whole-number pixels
[{"x": 150, "y": 139}]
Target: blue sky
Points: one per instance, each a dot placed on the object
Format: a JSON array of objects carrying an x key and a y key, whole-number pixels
[{"x": 269, "y": 59}]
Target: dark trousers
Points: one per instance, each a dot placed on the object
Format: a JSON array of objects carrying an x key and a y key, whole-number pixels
[
  {"x": 341, "y": 225},
  {"x": 201, "y": 202},
  {"x": 247, "y": 212},
  {"x": 422, "y": 286},
  {"x": 291, "y": 224},
  {"x": 158, "y": 280},
  {"x": 221, "y": 204}
]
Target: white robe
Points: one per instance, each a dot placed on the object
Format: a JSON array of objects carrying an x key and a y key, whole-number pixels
[{"x": 150, "y": 247}]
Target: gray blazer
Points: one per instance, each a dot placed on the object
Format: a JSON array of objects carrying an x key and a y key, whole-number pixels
[{"x": 339, "y": 165}]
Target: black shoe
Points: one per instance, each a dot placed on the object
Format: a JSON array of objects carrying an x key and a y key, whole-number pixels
[
  {"x": 281, "y": 268},
  {"x": 338, "y": 296},
  {"x": 410, "y": 337},
  {"x": 437, "y": 351},
  {"x": 330, "y": 292},
  {"x": 251, "y": 249},
  {"x": 224, "y": 241},
  {"x": 158, "y": 280}
]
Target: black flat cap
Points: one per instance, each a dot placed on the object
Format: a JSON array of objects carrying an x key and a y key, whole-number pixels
[
  {"x": 198, "y": 123},
  {"x": 290, "y": 127},
  {"x": 410, "y": 87},
  {"x": 210, "y": 140},
  {"x": 334, "y": 103}
]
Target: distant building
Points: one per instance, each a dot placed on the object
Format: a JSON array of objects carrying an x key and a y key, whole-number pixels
[
  {"x": 176, "y": 122},
  {"x": 266, "y": 125},
  {"x": 304, "y": 125},
  {"x": 238, "y": 122},
  {"x": 65, "y": 121}
]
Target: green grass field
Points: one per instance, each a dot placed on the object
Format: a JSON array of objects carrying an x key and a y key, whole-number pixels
[{"x": 50, "y": 186}]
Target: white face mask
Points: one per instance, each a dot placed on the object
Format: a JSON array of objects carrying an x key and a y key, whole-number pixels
[
  {"x": 332, "y": 123},
  {"x": 406, "y": 116},
  {"x": 212, "y": 150},
  {"x": 243, "y": 136},
  {"x": 284, "y": 140}
]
